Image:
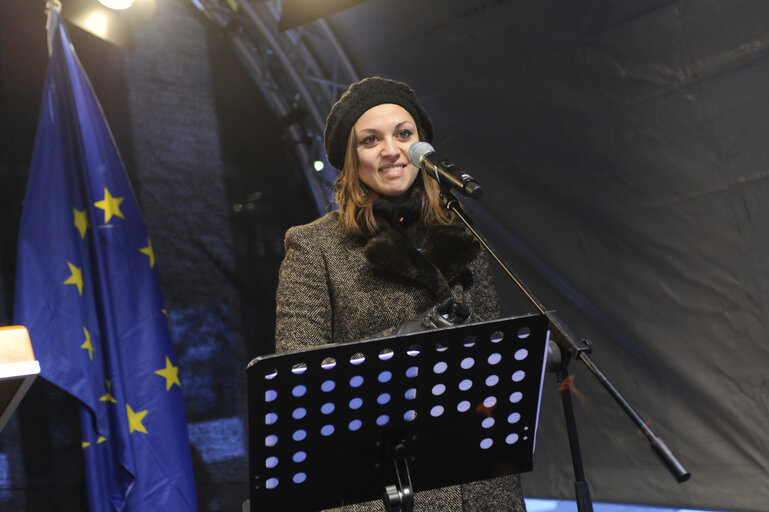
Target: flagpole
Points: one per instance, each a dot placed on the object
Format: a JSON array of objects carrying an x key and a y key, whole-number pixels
[{"x": 53, "y": 16}]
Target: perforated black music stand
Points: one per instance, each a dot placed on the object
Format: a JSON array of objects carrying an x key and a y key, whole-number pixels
[{"x": 382, "y": 418}]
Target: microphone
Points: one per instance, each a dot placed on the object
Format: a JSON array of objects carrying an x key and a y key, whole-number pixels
[{"x": 422, "y": 154}]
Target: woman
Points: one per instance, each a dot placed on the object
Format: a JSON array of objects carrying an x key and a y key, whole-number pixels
[{"x": 390, "y": 259}]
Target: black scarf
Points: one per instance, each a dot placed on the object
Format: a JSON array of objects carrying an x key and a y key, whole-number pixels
[{"x": 406, "y": 248}]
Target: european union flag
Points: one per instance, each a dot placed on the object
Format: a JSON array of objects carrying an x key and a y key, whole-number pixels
[{"x": 88, "y": 293}]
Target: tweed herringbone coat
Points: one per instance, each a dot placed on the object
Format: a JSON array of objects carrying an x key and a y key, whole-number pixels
[{"x": 335, "y": 289}]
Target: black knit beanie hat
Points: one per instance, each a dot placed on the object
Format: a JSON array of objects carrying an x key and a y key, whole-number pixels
[{"x": 360, "y": 97}]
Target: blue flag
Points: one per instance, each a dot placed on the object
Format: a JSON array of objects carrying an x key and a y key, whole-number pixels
[{"x": 88, "y": 293}]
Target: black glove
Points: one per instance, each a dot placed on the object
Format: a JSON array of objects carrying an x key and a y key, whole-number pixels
[{"x": 443, "y": 314}]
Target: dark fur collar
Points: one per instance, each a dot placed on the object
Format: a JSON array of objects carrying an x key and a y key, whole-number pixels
[{"x": 446, "y": 251}]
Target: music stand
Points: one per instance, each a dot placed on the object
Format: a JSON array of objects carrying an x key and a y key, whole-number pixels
[
  {"x": 383, "y": 418},
  {"x": 18, "y": 369}
]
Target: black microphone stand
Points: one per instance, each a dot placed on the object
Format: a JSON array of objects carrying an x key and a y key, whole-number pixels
[{"x": 570, "y": 346}]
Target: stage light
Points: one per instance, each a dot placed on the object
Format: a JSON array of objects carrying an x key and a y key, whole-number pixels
[
  {"x": 318, "y": 165},
  {"x": 110, "y": 20}
]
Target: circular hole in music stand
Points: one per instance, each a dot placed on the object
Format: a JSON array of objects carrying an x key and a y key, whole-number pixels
[
  {"x": 436, "y": 411},
  {"x": 440, "y": 367}
]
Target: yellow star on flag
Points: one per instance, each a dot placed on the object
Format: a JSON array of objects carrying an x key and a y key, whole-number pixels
[
  {"x": 87, "y": 343},
  {"x": 86, "y": 444},
  {"x": 108, "y": 397},
  {"x": 135, "y": 420},
  {"x": 148, "y": 251},
  {"x": 110, "y": 205},
  {"x": 171, "y": 374},
  {"x": 75, "y": 278},
  {"x": 81, "y": 221}
]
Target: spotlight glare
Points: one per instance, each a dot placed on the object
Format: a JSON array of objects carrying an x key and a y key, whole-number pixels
[
  {"x": 118, "y": 5},
  {"x": 318, "y": 165},
  {"x": 96, "y": 23}
]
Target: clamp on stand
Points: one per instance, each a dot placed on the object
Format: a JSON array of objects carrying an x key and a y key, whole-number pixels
[{"x": 399, "y": 497}]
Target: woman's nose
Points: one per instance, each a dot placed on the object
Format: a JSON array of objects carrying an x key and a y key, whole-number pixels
[{"x": 390, "y": 148}]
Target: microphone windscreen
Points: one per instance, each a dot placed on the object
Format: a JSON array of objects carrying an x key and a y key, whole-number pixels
[{"x": 418, "y": 151}]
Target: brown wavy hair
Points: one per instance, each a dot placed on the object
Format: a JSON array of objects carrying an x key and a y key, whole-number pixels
[{"x": 355, "y": 199}]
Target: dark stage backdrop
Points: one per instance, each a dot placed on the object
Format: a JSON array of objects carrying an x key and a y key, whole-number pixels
[{"x": 624, "y": 147}]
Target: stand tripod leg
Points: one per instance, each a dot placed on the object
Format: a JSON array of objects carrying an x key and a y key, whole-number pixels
[{"x": 584, "y": 503}]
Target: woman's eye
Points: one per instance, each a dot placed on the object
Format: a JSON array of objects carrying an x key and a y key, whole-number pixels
[
  {"x": 405, "y": 134},
  {"x": 368, "y": 141}
]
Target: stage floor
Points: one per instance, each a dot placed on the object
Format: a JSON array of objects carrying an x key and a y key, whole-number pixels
[{"x": 534, "y": 505}]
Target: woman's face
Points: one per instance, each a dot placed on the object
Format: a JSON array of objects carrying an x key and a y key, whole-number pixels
[{"x": 384, "y": 134}]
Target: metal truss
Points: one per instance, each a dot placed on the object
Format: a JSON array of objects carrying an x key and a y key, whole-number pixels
[{"x": 300, "y": 72}]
